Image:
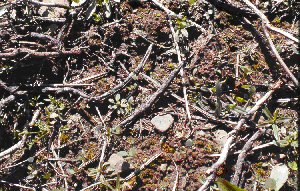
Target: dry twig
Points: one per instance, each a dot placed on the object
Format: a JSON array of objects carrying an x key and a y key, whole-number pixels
[
  {"x": 33, "y": 53},
  {"x": 231, "y": 138},
  {"x": 181, "y": 72},
  {"x": 239, "y": 164},
  {"x": 21, "y": 143}
]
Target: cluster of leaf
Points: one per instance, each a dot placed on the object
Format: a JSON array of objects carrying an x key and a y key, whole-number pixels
[
  {"x": 283, "y": 136},
  {"x": 122, "y": 106},
  {"x": 52, "y": 114}
]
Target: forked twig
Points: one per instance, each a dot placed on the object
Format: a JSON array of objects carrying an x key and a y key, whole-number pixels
[
  {"x": 231, "y": 138},
  {"x": 247, "y": 147},
  {"x": 266, "y": 21}
]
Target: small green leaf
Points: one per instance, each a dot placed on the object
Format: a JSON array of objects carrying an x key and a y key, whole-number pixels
[
  {"x": 293, "y": 165},
  {"x": 213, "y": 90},
  {"x": 47, "y": 176},
  {"x": 240, "y": 99},
  {"x": 275, "y": 114},
  {"x": 267, "y": 112},
  {"x": 191, "y": 2},
  {"x": 246, "y": 70},
  {"x": 283, "y": 143},
  {"x": 231, "y": 106},
  {"x": 130, "y": 100},
  {"x": 75, "y": 1},
  {"x": 247, "y": 87},
  {"x": 294, "y": 144},
  {"x": 224, "y": 185},
  {"x": 124, "y": 103}
]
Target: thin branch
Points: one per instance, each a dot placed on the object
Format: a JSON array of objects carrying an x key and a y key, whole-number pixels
[
  {"x": 181, "y": 72},
  {"x": 92, "y": 78},
  {"x": 177, "y": 176},
  {"x": 267, "y": 22},
  {"x": 21, "y": 143},
  {"x": 127, "y": 80},
  {"x": 143, "y": 166},
  {"x": 50, "y": 19},
  {"x": 44, "y": 37},
  {"x": 146, "y": 105},
  {"x": 33, "y": 53},
  {"x": 111, "y": 91},
  {"x": 60, "y": 167},
  {"x": 58, "y": 5},
  {"x": 278, "y": 57},
  {"x": 17, "y": 185},
  {"x": 224, "y": 5},
  {"x": 241, "y": 158}
]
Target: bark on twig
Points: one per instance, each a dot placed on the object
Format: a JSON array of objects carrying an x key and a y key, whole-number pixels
[
  {"x": 127, "y": 80},
  {"x": 224, "y": 5},
  {"x": 58, "y": 5},
  {"x": 241, "y": 158},
  {"x": 187, "y": 109},
  {"x": 21, "y": 143},
  {"x": 32, "y": 53}
]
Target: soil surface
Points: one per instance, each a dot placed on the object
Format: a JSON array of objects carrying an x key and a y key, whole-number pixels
[{"x": 69, "y": 81}]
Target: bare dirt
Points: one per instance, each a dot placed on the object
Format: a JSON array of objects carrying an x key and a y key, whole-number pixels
[{"x": 69, "y": 145}]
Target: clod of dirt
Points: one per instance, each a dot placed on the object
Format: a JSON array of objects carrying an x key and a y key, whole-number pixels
[
  {"x": 162, "y": 123},
  {"x": 117, "y": 164}
]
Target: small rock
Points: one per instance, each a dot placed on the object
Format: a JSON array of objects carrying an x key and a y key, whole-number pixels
[
  {"x": 162, "y": 123},
  {"x": 118, "y": 164},
  {"x": 189, "y": 143},
  {"x": 221, "y": 137},
  {"x": 163, "y": 167}
]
